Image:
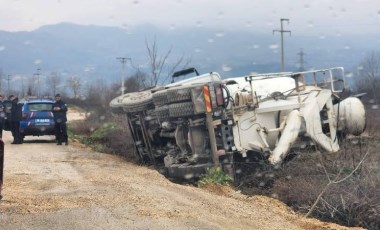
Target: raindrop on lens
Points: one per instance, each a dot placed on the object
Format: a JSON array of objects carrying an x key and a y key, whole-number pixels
[
  {"x": 375, "y": 106},
  {"x": 189, "y": 176},
  {"x": 226, "y": 68},
  {"x": 273, "y": 46},
  {"x": 219, "y": 34},
  {"x": 197, "y": 50}
]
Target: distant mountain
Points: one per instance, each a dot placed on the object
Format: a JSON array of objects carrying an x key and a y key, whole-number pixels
[{"x": 90, "y": 51}]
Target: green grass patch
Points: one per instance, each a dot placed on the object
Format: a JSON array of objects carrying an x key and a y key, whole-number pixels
[{"x": 214, "y": 175}]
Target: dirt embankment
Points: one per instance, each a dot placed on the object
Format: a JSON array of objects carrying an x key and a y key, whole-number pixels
[{"x": 71, "y": 187}]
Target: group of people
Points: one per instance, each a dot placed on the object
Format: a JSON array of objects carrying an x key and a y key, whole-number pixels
[{"x": 59, "y": 110}]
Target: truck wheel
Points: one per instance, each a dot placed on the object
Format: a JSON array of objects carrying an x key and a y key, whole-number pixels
[
  {"x": 134, "y": 102},
  {"x": 160, "y": 97},
  {"x": 162, "y": 112},
  {"x": 179, "y": 94},
  {"x": 182, "y": 109}
]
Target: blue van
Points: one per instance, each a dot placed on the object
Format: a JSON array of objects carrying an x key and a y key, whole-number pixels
[{"x": 37, "y": 118}]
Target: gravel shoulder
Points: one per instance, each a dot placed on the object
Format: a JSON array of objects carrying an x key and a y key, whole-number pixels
[{"x": 71, "y": 187}]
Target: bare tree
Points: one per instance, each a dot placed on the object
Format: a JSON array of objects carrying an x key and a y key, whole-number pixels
[
  {"x": 157, "y": 63},
  {"x": 53, "y": 81},
  {"x": 74, "y": 84},
  {"x": 31, "y": 86},
  {"x": 369, "y": 75}
]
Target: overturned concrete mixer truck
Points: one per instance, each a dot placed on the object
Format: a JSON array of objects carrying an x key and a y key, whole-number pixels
[{"x": 191, "y": 125}]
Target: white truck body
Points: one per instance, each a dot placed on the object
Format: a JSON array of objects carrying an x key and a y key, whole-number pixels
[{"x": 207, "y": 120}]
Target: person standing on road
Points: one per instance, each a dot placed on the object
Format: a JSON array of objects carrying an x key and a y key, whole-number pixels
[
  {"x": 59, "y": 111},
  {"x": 16, "y": 115},
  {"x": 2, "y": 116}
]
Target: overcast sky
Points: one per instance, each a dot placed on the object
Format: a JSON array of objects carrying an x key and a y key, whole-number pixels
[{"x": 318, "y": 16}]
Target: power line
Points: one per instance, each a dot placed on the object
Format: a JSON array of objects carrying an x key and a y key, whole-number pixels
[
  {"x": 123, "y": 61},
  {"x": 282, "y": 31},
  {"x": 9, "y": 79},
  {"x": 301, "y": 54},
  {"x": 38, "y": 82}
]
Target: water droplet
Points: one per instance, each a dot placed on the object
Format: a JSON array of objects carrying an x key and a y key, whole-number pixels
[
  {"x": 219, "y": 34},
  {"x": 210, "y": 40},
  {"x": 349, "y": 75},
  {"x": 197, "y": 50},
  {"x": 375, "y": 106},
  {"x": 355, "y": 141},
  {"x": 189, "y": 176},
  {"x": 347, "y": 47},
  {"x": 92, "y": 129},
  {"x": 2, "y": 48},
  {"x": 322, "y": 37},
  {"x": 273, "y": 46},
  {"x": 248, "y": 24},
  {"x": 102, "y": 117},
  {"x": 372, "y": 101},
  {"x": 199, "y": 24},
  {"x": 360, "y": 68},
  {"x": 27, "y": 42},
  {"x": 125, "y": 26},
  {"x": 220, "y": 15},
  {"x": 172, "y": 27},
  {"x": 256, "y": 46},
  {"x": 37, "y": 61},
  {"x": 226, "y": 68},
  {"x": 274, "y": 195}
]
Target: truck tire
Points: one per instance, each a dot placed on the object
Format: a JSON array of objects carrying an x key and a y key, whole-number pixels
[
  {"x": 162, "y": 112},
  {"x": 136, "y": 101},
  {"x": 160, "y": 98},
  {"x": 179, "y": 94},
  {"x": 182, "y": 109}
]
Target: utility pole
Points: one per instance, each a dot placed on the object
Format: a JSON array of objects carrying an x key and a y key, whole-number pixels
[
  {"x": 282, "y": 31},
  {"x": 9, "y": 79},
  {"x": 38, "y": 82},
  {"x": 123, "y": 61},
  {"x": 301, "y": 54}
]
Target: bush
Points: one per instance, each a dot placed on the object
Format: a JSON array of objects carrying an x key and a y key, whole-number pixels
[
  {"x": 214, "y": 175},
  {"x": 352, "y": 202},
  {"x": 110, "y": 135}
]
